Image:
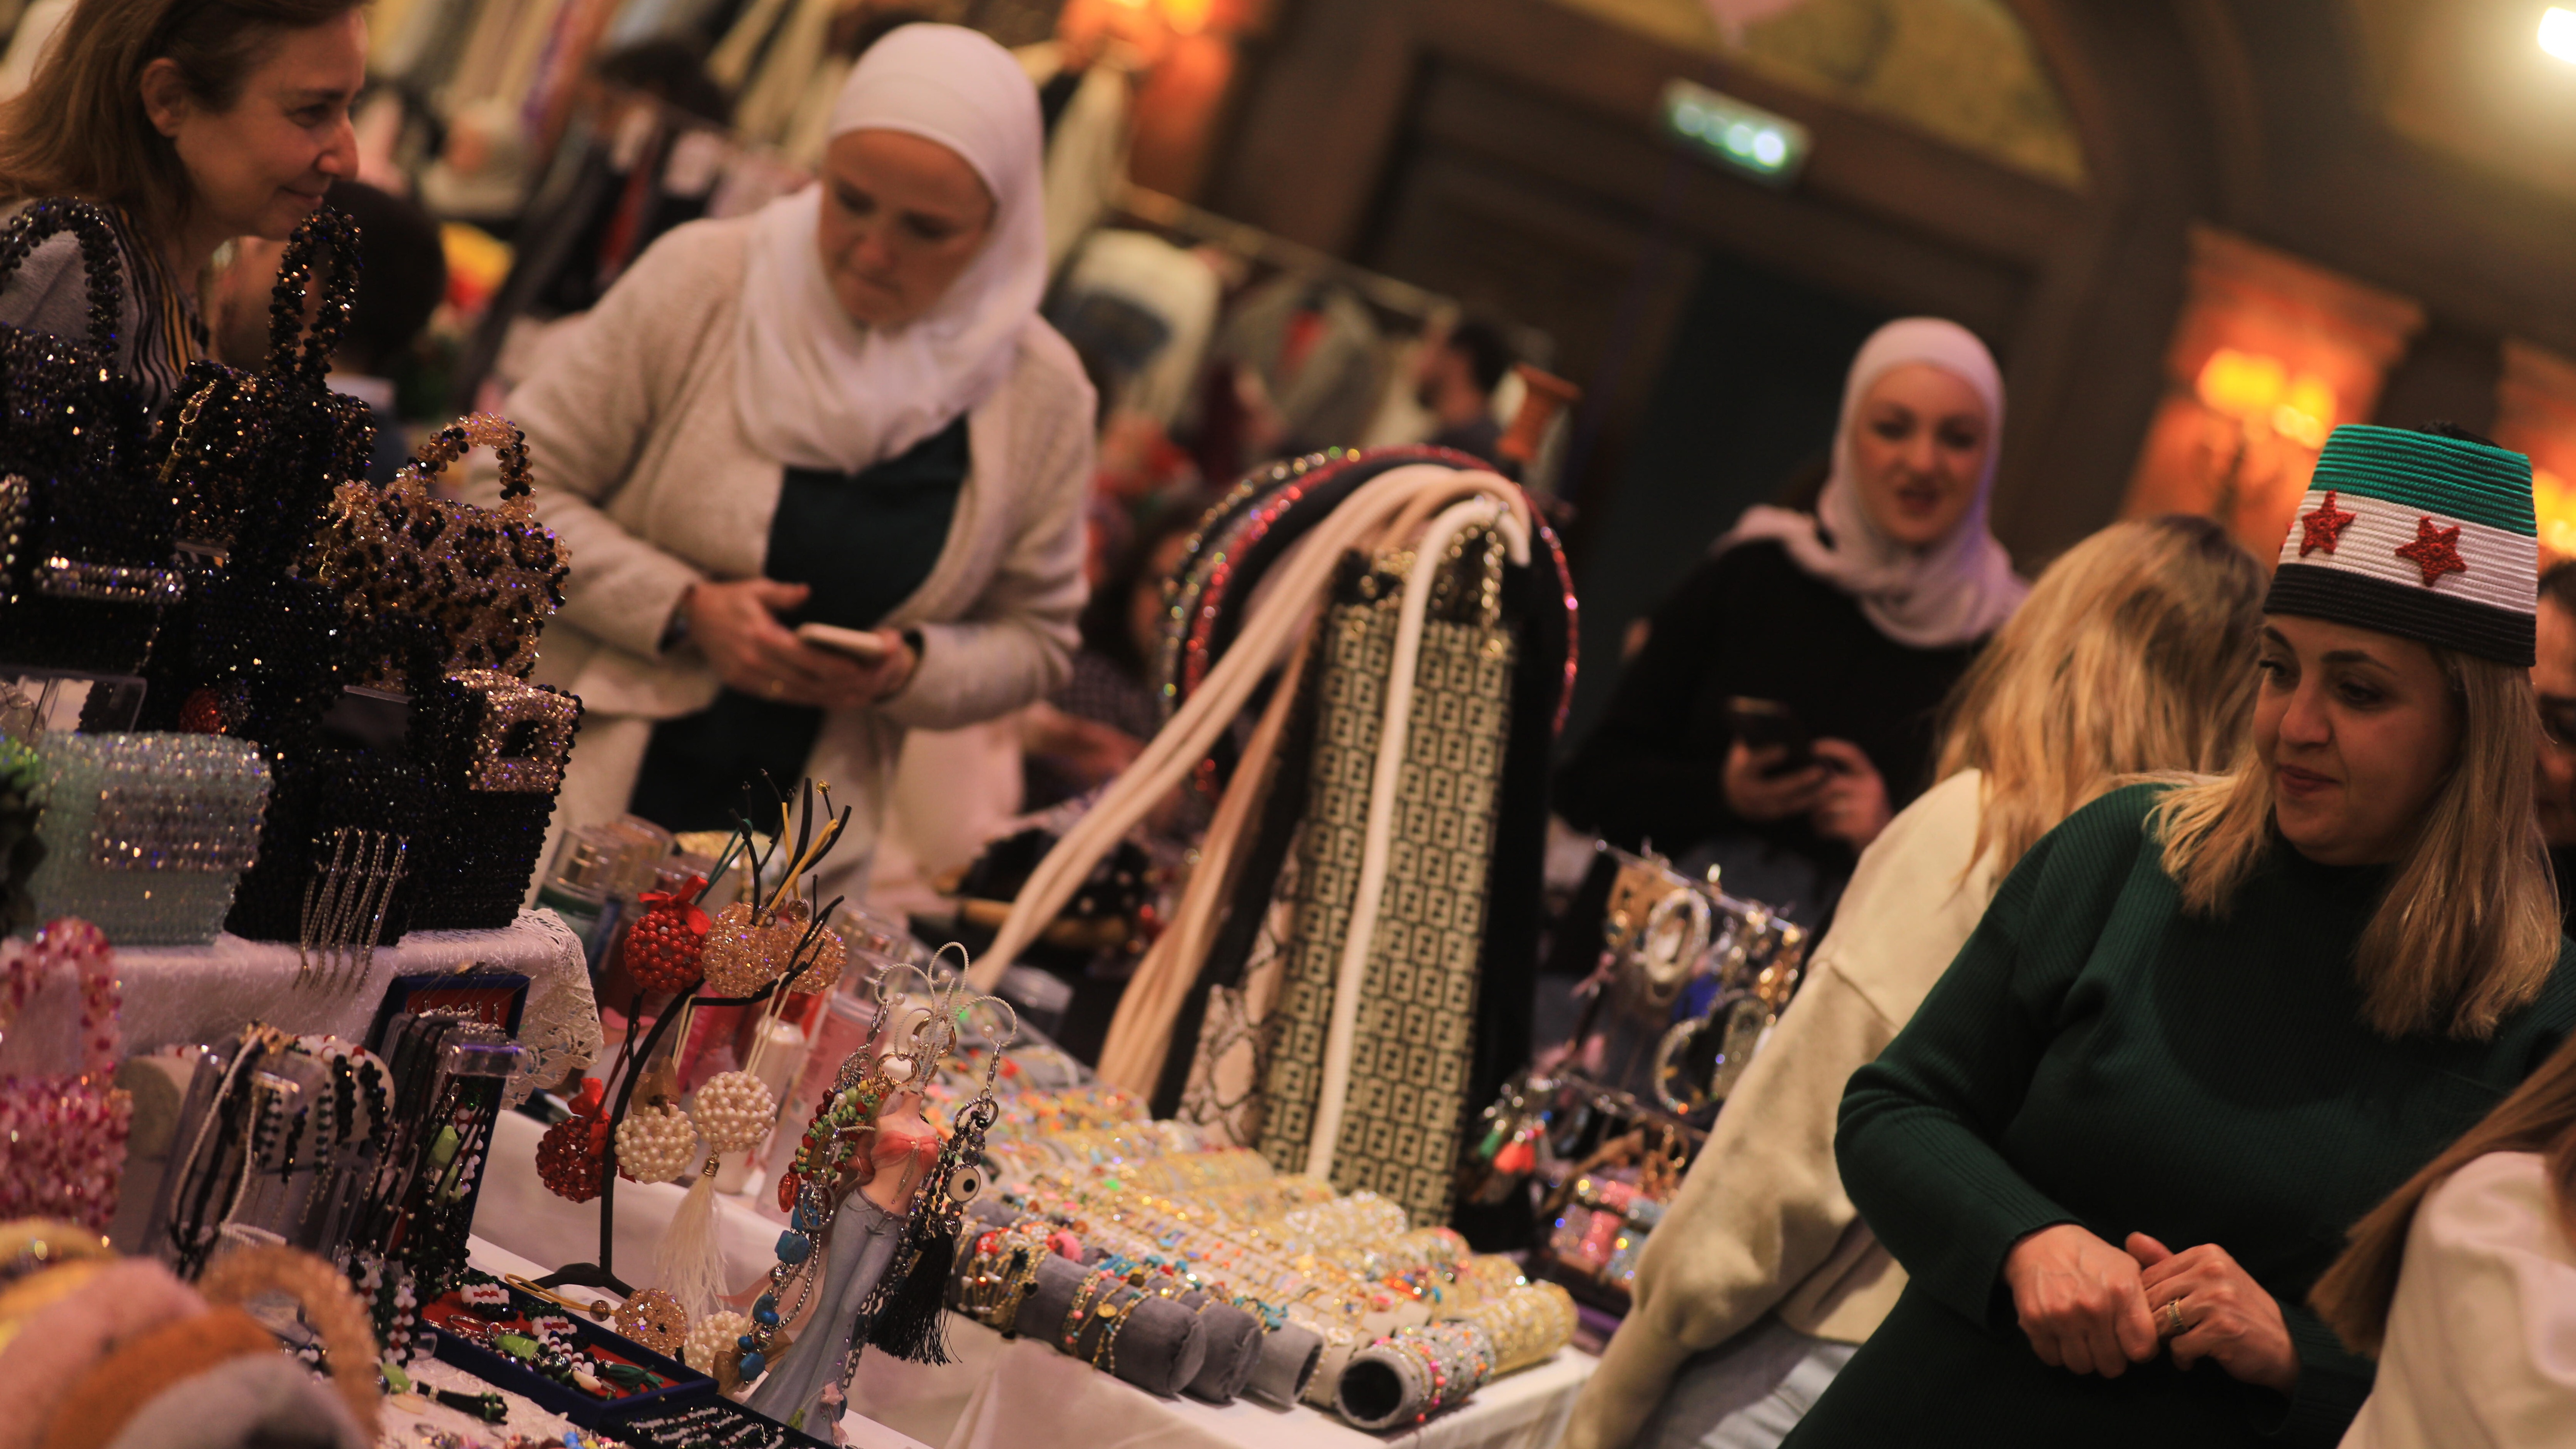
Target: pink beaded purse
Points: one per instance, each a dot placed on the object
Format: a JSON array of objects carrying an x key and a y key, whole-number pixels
[{"x": 62, "y": 1137}]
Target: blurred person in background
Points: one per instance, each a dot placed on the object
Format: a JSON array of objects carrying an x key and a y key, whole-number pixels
[
  {"x": 1843, "y": 628},
  {"x": 1455, "y": 379}
]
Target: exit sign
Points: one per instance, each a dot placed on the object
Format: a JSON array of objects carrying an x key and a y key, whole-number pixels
[{"x": 1744, "y": 138}]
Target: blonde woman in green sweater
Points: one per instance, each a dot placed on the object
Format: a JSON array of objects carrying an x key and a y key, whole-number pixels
[
  {"x": 2207, "y": 1025},
  {"x": 2133, "y": 654}
]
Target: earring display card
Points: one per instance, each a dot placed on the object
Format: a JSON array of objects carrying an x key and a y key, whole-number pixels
[{"x": 494, "y": 998}]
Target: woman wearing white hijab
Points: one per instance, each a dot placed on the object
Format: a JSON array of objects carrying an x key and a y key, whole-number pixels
[
  {"x": 1856, "y": 620},
  {"x": 843, "y": 409}
]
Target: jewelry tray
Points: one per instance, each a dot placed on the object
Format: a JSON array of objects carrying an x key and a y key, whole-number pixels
[
  {"x": 742, "y": 1426},
  {"x": 682, "y": 1384}
]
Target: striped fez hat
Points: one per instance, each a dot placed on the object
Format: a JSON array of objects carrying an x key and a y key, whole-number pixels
[{"x": 2419, "y": 535}]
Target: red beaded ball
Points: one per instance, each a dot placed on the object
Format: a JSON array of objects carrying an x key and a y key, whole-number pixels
[
  {"x": 662, "y": 948},
  {"x": 569, "y": 1156}
]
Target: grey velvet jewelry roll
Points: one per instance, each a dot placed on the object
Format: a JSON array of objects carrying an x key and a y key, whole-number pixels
[
  {"x": 1286, "y": 1362},
  {"x": 1157, "y": 1345},
  {"x": 1414, "y": 1374},
  {"x": 1234, "y": 1347}
]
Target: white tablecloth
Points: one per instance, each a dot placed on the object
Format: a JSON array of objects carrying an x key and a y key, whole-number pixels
[
  {"x": 998, "y": 1394},
  {"x": 201, "y": 994}
]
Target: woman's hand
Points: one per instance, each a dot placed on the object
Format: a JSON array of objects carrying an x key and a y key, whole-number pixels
[
  {"x": 1759, "y": 797},
  {"x": 1852, "y": 806},
  {"x": 736, "y": 626},
  {"x": 2079, "y": 1301},
  {"x": 2210, "y": 1307}
]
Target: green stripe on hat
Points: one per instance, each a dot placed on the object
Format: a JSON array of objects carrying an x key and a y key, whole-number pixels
[{"x": 2436, "y": 474}]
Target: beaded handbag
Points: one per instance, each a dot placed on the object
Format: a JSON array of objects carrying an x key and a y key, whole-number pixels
[
  {"x": 348, "y": 812},
  {"x": 496, "y": 748},
  {"x": 488, "y": 578},
  {"x": 252, "y": 457},
  {"x": 62, "y": 1137},
  {"x": 146, "y": 834},
  {"x": 85, "y": 533}
]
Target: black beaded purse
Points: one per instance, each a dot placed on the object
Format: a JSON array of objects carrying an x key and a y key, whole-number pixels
[
  {"x": 351, "y": 810},
  {"x": 253, "y": 457},
  {"x": 85, "y": 532},
  {"x": 495, "y": 747}
]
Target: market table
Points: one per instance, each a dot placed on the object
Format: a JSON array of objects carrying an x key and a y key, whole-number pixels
[
  {"x": 203, "y": 994},
  {"x": 998, "y": 1394}
]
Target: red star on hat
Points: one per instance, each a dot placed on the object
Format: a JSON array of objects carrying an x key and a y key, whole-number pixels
[
  {"x": 2435, "y": 550},
  {"x": 2324, "y": 527}
]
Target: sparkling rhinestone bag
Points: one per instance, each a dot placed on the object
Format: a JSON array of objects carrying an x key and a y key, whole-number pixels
[
  {"x": 349, "y": 813},
  {"x": 252, "y": 459},
  {"x": 85, "y": 530},
  {"x": 496, "y": 747},
  {"x": 62, "y": 1137},
  {"x": 146, "y": 834},
  {"x": 488, "y": 578}
]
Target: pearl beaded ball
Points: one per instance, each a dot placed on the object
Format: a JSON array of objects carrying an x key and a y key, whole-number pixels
[
  {"x": 734, "y": 1111},
  {"x": 742, "y": 954},
  {"x": 713, "y": 1338},
  {"x": 656, "y": 1144}
]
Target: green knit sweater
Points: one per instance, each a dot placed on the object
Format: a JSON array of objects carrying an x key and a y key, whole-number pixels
[{"x": 2095, "y": 1056}]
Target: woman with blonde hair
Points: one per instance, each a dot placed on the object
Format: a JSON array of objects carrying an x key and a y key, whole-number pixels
[
  {"x": 2133, "y": 653},
  {"x": 192, "y": 122},
  {"x": 2204, "y": 1025}
]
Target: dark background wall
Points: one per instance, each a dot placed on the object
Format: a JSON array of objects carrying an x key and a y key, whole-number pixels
[{"x": 1505, "y": 151}]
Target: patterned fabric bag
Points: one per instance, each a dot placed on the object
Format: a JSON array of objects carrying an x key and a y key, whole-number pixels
[
  {"x": 1407, "y": 1070},
  {"x": 62, "y": 1137},
  {"x": 85, "y": 531}
]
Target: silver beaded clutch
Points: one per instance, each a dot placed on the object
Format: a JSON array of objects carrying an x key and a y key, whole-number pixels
[{"x": 146, "y": 834}]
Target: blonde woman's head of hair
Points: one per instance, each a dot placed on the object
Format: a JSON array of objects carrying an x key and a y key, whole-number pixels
[{"x": 2133, "y": 655}]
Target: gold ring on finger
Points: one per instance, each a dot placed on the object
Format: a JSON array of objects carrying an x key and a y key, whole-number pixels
[{"x": 2173, "y": 1318}]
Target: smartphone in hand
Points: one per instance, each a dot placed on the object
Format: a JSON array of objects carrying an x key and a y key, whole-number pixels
[
  {"x": 1766, "y": 723},
  {"x": 858, "y": 644}
]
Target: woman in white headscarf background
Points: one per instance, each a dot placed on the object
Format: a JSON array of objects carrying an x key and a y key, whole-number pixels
[
  {"x": 1847, "y": 625},
  {"x": 843, "y": 409}
]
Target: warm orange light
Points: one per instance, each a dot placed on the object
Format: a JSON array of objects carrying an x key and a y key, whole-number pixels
[
  {"x": 2307, "y": 412},
  {"x": 2260, "y": 390},
  {"x": 2553, "y": 506},
  {"x": 2241, "y": 384}
]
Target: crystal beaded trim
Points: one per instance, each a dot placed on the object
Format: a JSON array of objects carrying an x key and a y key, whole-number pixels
[
  {"x": 67, "y": 578},
  {"x": 510, "y": 757},
  {"x": 166, "y": 801}
]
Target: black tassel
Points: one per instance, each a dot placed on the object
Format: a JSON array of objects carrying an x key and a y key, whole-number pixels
[{"x": 906, "y": 1316}]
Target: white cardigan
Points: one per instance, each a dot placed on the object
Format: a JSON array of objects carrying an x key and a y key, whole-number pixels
[
  {"x": 643, "y": 469},
  {"x": 2481, "y": 1345}
]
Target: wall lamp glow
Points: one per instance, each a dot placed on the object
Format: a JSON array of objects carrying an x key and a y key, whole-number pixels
[{"x": 2558, "y": 33}]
